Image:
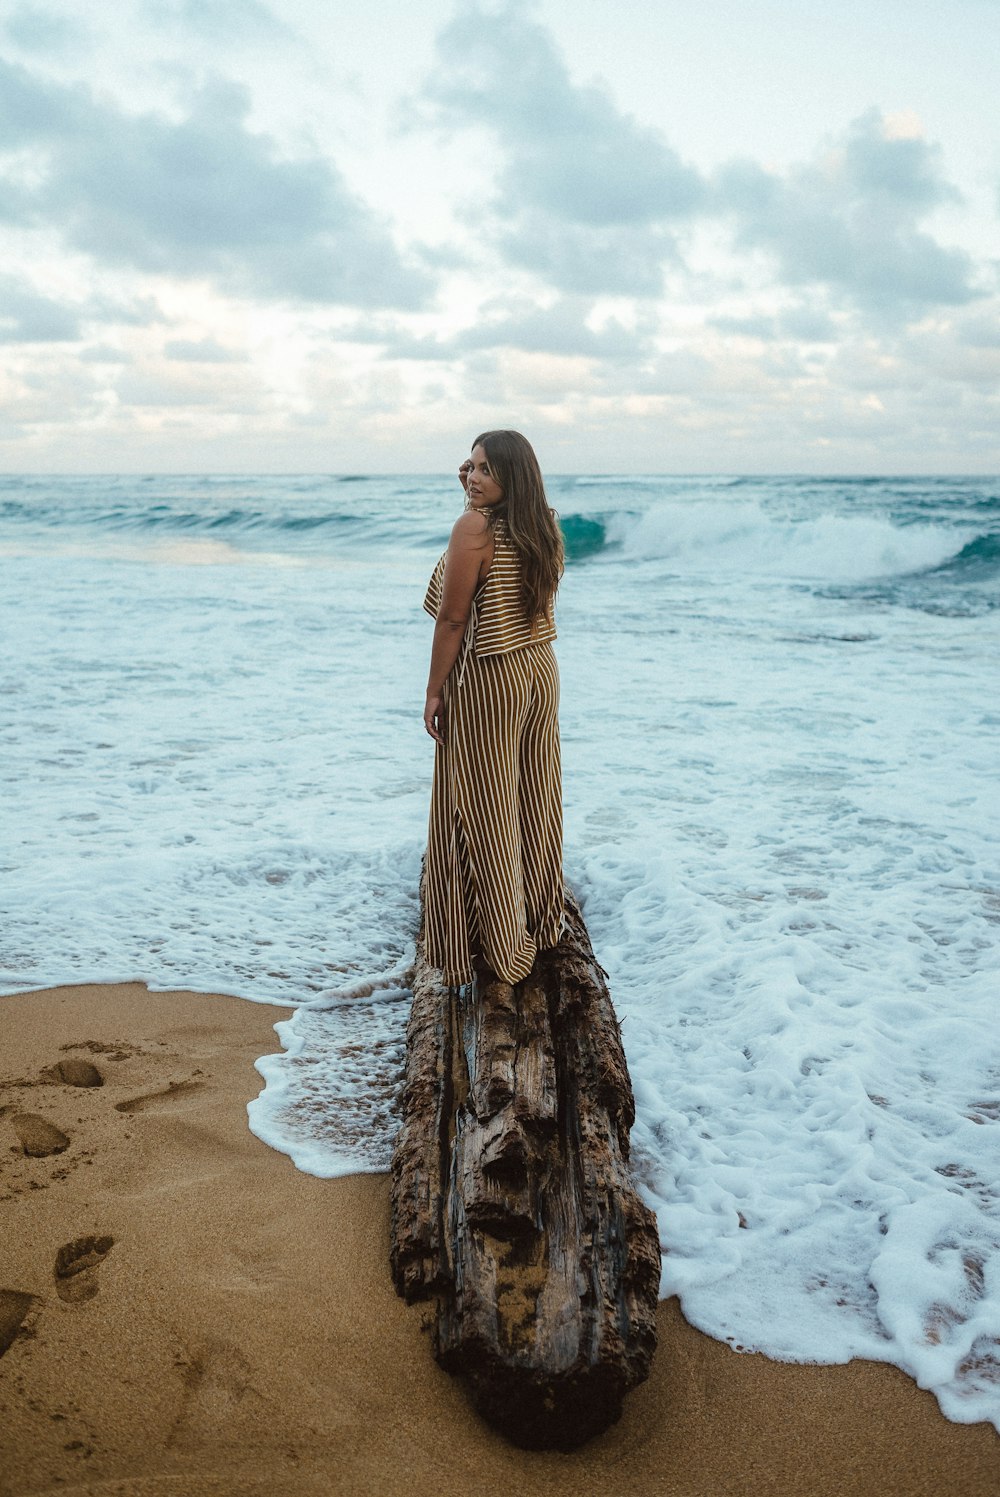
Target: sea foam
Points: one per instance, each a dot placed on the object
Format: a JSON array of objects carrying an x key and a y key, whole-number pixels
[{"x": 732, "y": 535}]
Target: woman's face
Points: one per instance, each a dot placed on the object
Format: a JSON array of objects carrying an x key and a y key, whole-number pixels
[{"x": 481, "y": 487}]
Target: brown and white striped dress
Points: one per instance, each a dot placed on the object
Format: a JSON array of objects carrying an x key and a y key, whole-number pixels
[{"x": 494, "y": 883}]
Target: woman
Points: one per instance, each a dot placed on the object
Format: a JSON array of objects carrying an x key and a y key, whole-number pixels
[{"x": 494, "y": 886}]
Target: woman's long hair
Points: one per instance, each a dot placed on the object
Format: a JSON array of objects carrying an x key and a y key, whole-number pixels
[{"x": 531, "y": 524}]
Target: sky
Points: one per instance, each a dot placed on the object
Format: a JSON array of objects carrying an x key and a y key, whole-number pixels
[{"x": 734, "y": 236}]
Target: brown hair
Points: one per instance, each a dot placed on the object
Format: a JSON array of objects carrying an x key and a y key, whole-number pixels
[{"x": 531, "y": 524}]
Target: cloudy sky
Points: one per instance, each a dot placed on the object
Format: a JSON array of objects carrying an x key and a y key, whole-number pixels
[{"x": 343, "y": 235}]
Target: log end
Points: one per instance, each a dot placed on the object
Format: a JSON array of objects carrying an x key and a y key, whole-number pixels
[{"x": 544, "y": 1413}]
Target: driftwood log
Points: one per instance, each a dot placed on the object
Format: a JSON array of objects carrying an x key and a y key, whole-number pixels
[{"x": 512, "y": 1204}]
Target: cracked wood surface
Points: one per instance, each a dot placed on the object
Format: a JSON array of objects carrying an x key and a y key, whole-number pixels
[{"x": 513, "y": 1208}]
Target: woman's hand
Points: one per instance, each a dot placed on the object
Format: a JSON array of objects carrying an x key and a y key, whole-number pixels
[
  {"x": 463, "y": 473},
  {"x": 434, "y": 717}
]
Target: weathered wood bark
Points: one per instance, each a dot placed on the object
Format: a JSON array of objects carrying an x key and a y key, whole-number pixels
[{"x": 512, "y": 1204}]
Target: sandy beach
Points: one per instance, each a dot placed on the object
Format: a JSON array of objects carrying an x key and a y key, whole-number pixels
[{"x": 181, "y": 1311}]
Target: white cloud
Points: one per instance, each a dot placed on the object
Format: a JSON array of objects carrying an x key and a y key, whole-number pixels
[
  {"x": 585, "y": 196},
  {"x": 202, "y": 196},
  {"x": 200, "y": 351},
  {"x": 26, "y": 316},
  {"x": 218, "y": 20},
  {"x": 851, "y": 221},
  {"x": 45, "y": 31}
]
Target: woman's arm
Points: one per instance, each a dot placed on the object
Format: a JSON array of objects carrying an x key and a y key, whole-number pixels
[{"x": 467, "y": 553}]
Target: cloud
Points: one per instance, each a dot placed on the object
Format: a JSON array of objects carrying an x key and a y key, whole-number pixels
[
  {"x": 593, "y": 202},
  {"x": 200, "y": 196},
  {"x": 981, "y": 331},
  {"x": 585, "y": 195},
  {"x": 808, "y": 325},
  {"x": 851, "y": 221},
  {"x": 591, "y": 261},
  {"x": 799, "y": 323},
  {"x": 752, "y": 325},
  {"x": 103, "y": 353},
  {"x": 561, "y": 329},
  {"x": 201, "y": 351},
  {"x": 137, "y": 311},
  {"x": 34, "y": 28},
  {"x": 28, "y": 317},
  {"x": 142, "y": 388},
  {"x": 224, "y": 20},
  {"x": 966, "y": 355},
  {"x": 33, "y": 112}
]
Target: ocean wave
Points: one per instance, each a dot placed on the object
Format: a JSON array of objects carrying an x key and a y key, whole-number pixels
[
  {"x": 615, "y": 481},
  {"x": 731, "y": 537},
  {"x": 979, "y": 559},
  {"x": 254, "y": 525},
  {"x": 161, "y": 516},
  {"x": 583, "y": 536},
  {"x": 637, "y": 485},
  {"x": 697, "y": 527}
]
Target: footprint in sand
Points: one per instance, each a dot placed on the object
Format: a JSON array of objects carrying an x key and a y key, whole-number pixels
[
  {"x": 216, "y": 1379},
  {"x": 15, "y": 1306},
  {"x": 76, "y": 1072},
  {"x": 76, "y": 1267},
  {"x": 37, "y": 1136}
]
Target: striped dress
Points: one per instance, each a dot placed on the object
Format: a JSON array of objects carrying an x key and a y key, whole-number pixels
[{"x": 494, "y": 883}]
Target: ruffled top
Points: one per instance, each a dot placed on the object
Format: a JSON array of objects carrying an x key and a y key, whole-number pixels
[{"x": 497, "y": 625}]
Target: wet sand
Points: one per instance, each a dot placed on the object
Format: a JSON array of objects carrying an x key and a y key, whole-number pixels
[{"x": 182, "y": 1312}]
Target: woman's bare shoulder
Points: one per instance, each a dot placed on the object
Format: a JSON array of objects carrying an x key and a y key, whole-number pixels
[{"x": 470, "y": 529}]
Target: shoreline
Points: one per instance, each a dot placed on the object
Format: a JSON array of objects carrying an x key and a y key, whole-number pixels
[{"x": 239, "y": 1333}]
